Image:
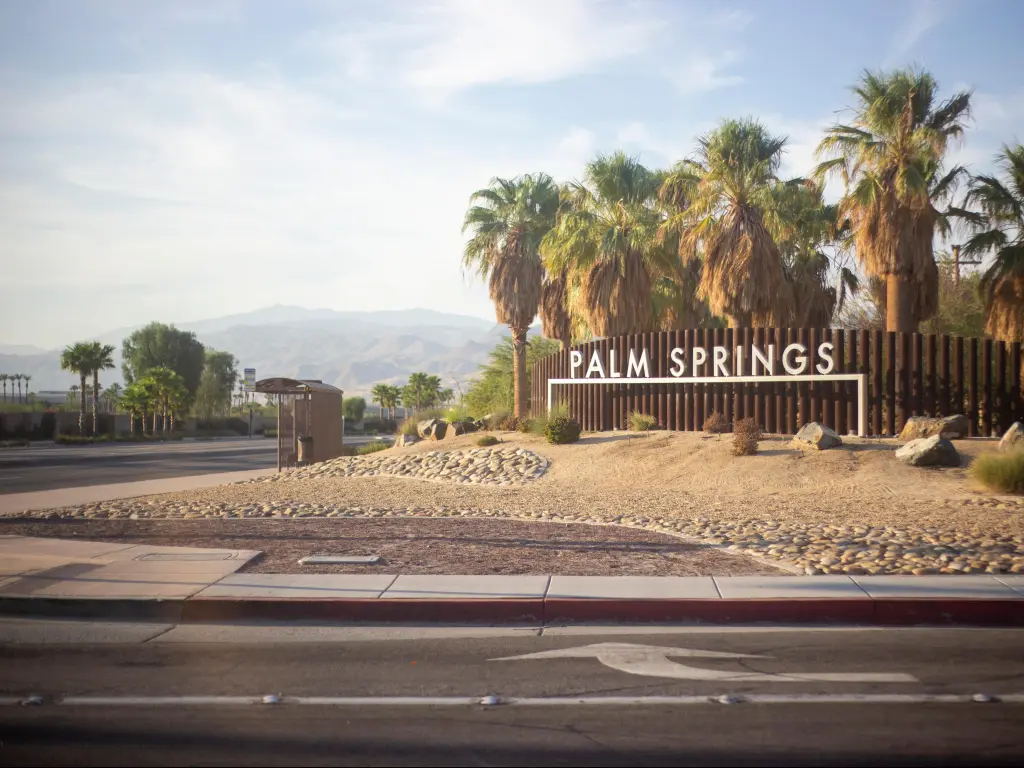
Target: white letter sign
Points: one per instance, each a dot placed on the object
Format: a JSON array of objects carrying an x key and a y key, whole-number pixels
[
  {"x": 575, "y": 361},
  {"x": 640, "y": 366},
  {"x": 700, "y": 356},
  {"x": 825, "y": 353},
  {"x": 678, "y": 358},
  {"x": 596, "y": 366},
  {"x": 801, "y": 359},
  {"x": 721, "y": 355}
]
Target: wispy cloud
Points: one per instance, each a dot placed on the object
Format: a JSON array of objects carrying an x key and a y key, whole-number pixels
[
  {"x": 707, "y": 73},
  {"x": 925, "y": 15}
]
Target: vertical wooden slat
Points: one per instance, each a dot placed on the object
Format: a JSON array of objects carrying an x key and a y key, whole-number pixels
[
  {"x": 863, "y": 366},
  {"x": 689, "y": 404},
  {"x": 944, "y": 384},
  {"x": 972, "y": 387},
  {"x": 728, "y": 405},
  {"x": 917, "y": 373},
  {"x": 850, "y": 394},
  {"x": 761, "y": 391},
  {"x": 1016, "y": 407},
  {"x": 839, "y": 399},
  {"x": 931, "y": 376},
  {"x": 777, "y": 404},
  {"x": 804, "y": 396},
  {"x": 605, "y": 398},
  {"x": 792, "y": 395},
  {"x": 663, "y": 350},
  {"x": 987, "y": 411},
  {"x": 716, "y": 392},
  {"x": 890, "y": 383},
  {"x": 904, "y": 349},
  {"x": 705, "y": 341},
  {"x": 1002, "y": 407},
  {"x": 958, "y": 390}
]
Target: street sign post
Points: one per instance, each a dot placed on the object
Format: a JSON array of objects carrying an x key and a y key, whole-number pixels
[{"x": 250, "y": 386}]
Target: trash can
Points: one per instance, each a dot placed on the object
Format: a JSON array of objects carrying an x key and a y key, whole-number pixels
[{"x": 305, "y": 455}]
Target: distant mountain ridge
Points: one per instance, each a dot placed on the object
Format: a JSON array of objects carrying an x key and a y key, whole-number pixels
[{"x": 351, "y": 350}]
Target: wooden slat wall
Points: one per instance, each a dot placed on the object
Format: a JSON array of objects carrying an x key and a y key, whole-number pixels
[{"x": 907, "y": 375}]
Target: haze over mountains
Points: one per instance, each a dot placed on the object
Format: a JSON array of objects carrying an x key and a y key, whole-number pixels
[{"x": 351, "y": 350}]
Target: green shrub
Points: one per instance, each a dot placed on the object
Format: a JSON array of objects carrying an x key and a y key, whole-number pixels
[
  {"x": 1002, "y": 472},
  {"x": 715, "y": 424},
  {"x": 562, "y": 429},
  {"x": 642, "y": 422},
  {"x": 486, "y": 440},
  {"x": 408, "y": 427},
  {"x": 745, "y": 435},
  {"x": 373, "y": 447}
]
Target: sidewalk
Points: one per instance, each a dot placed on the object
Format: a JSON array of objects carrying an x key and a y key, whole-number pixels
[
  {"x": 54, "y": 577},
  {"x": 13, "y": 503}
]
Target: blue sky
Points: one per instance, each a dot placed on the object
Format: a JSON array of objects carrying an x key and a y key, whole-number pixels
[{"x": 181, "y": 160}]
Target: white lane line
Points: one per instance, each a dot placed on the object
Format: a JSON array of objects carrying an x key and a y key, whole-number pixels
[{"x": 515, "y": 701}]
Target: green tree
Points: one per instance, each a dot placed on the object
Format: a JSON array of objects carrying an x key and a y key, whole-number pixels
[
  {"x": 421, "y": 391},
  {"x": 137, "y": 401},
  {"x": 100, "y": 358},
  {"x": 491, "y": 391},
  {"x": 168, "y": 394},
  {"x": 354, "y": 408},
  {"x": 379, "y": 395},
  {"x": 729, "y": 211},
  {"x": 890, "y": 160},
  {"x": 4, "y": 378},
  {"x": 606, "y": 242},
  {"x": 508, "y": 220},
  {"x": 999, "y": 230},
  {"x": 78, "y": 358},
  {"x": 158, "y": 345}
]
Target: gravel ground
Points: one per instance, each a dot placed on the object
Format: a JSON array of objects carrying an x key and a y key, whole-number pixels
[{"x": 423, "y": 546}]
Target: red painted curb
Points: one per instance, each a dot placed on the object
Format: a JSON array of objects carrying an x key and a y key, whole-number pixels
[{"x": 505, "y": 611}]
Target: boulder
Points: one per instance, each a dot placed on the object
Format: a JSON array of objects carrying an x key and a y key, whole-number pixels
[
  {"x": 403, "y": 440},
  {"x": 934, "y": 451},
  {"x": 817, "y": 436},
  {"x": 432, "y": 429},
  {"x": 1014, "y": 437},
  {"x": 949, "y": 427}
]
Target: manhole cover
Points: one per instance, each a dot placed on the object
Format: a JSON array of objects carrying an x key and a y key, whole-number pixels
[
  {"x": 187, "y": 557},
  {"x": 340, "y": 560}
]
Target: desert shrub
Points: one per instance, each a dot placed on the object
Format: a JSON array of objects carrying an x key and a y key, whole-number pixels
[
  {"x": 373, "y": 447},
  {"x": 745, "y": 435},
  {"x": 496, "y": 419},
  {"x": 486, "y": 440},
  {"x": 715, "y": 424},
  {"x": 642, "y": 422},
  {"x": 1002, "y": 472},
  {"x": 562, "y": 429},
  {"x": 510, "y": 423},
  {"x": 408, "y": 427}
]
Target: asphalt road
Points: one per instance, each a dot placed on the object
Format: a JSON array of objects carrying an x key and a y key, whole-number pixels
[
  {"x": 46, "y": 468},
  {"x": 120, "y": 671}
]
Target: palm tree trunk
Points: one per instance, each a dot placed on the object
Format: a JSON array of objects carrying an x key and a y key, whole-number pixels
[
  {"x": 899, "y": 308},
  {"x": 519, "y": 372},
  {"x": 81, "y": 412},
  {"x": 156, "y": 413},
  {"x": 96, "y": 402}
]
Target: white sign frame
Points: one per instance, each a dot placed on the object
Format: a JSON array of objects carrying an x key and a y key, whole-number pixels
[
  {"x": 250, "y": 386},
  {"x": 859, "y": 378}
]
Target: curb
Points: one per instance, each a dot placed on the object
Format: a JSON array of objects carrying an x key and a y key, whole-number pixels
[{"x": 890, "y": 612}]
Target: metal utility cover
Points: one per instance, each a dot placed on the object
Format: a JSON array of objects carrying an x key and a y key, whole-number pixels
[
  {"x": 188, "y": 557},
  {"x": 340, "y": 560}
]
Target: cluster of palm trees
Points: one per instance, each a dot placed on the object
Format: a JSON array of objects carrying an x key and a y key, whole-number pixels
[
  {"x": 424, "y": 390},
  {"x": 721, "y": 237},
  {"x": 157, "y": 398},
  {"x": 15, "y": 378},
  {"x": 86, "y": 359}
]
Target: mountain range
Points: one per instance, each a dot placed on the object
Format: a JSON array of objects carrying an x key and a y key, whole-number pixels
[{"x": 351, "y": 350}]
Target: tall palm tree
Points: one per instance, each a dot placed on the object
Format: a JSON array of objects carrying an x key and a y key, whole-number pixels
[
  {"x": 379, "y": 394},
  {"x": 890, "y": 159},
  {"x": 78, "y": 358},
  {"x": 394, "y": 394},
  {"x": 4, "y": 378},
  {"x": 606, "y": 241},
  {"x": 727, "y": 217},
  {"x": 16, "y": 379},
  {"x": 113, "y": 393},
  {"x": 100, "y": 358},
  {"x": 1000, "y": 230},
  {"x": 26, "y": 378},
  {"x": 508, "y": 220}
]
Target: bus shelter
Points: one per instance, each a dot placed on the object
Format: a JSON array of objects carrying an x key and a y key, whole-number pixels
[{"x": 309, "y": 427}]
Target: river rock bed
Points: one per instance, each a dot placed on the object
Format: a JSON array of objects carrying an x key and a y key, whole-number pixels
[
  {"x": 480, "y": 466},
  {"x": 801, "y": 548}
]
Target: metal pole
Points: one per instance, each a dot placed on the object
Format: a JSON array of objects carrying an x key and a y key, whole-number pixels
[{"x": 956, "y": 265}]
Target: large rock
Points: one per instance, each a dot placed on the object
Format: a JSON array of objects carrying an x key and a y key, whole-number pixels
[
  {"x": 817, "y": 436},
  {"x": 403, "y": 440},
  {"x": 934, "y": 451},
  {"x": 432, "y": 429},
  {"x": 1014, "y": 437},
  {"x": 949, "y": 427}
]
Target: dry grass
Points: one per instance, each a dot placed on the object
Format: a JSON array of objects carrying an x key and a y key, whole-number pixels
[
  {"x": 1000, "y": 472},
  {"x": 745, "y": 436},
  {"x": 715, "y": 424},
  {"x": 688, "y": 475},
  {"x": 642, "y": 422}
]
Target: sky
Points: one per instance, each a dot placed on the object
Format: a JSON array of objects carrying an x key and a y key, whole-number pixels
[{"x": 183, "y": 160}]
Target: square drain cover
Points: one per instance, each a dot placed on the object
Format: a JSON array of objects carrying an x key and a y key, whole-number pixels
[
  {"x": 340, "y": 560},
  {"x": 187, "y": 557}
]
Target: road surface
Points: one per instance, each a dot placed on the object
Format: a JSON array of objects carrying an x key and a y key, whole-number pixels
[
  {"x": 46, "y": 468},
  {"x": 411, "y": 696}
]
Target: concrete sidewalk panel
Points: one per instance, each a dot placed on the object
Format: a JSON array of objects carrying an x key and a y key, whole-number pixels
[
  {"x": 307, "y": 586},
  {"x": 1014, "y": 581},
  {"x": 949, "y": 587},
  {"x": 632, "y": 588},
  {"x": 72, "y": 550},
  {"x": 789, "y": 588},
  {"x": 467, "y": 587},
  {"x": 155, "y": 555},
  {"x": 84, "y": 581}
]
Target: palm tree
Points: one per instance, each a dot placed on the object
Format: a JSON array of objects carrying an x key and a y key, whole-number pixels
[
  {"x": 26, "y": 378},
  {"x": 16, "y": 379},
  {"x": 112, "y": 394},
  {"x": 727, "y": 217},
  {"x": 605, "y": 241},
  {"x": 508, "y": 220},
  {"x": 379, "y": 395},
  {"x": 394, "y": 394},
  {"x": 4, "y": 378},
  {"x": 78, "y": 358},
  {"x": 890, "y": 160},
  {"x": 100, "y": 357},
  {"x": 1000, "y": 229}
]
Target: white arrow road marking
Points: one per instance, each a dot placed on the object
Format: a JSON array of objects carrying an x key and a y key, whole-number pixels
[{"x": 653, "y": 661}]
